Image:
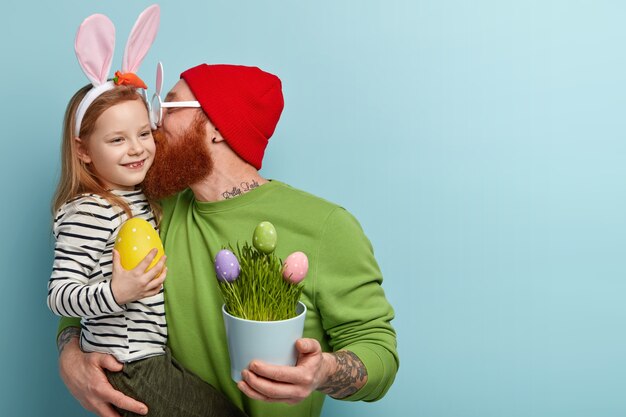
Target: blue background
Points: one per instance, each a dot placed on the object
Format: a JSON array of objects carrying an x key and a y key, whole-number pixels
[{"x": 481, "y": 144}]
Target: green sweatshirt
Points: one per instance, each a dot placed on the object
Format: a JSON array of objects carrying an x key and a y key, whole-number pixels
[{"x": 347, "y": 308}]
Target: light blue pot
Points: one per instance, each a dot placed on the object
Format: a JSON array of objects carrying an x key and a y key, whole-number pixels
[{"x": 269, "y": 341}]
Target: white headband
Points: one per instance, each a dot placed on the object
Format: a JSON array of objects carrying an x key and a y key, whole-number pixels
[{"x": 94, "y": 46}]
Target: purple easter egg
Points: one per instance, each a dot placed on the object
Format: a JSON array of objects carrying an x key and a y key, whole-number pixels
[
  {"x": 226, "y": 266},
  {"x": 295, "y": 267}
]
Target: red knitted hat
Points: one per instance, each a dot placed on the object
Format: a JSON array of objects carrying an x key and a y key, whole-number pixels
[{"x": 244, "y": 104}]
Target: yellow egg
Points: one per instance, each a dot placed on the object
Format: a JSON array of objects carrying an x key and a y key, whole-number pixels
[{"x": 135, "y": 240}]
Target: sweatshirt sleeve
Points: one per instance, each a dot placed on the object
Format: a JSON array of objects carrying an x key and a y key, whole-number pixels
[
  {"x": 65, "y": 322},
  {"x": 355, "y": 312},
  {"x": 80, "y": 240}
]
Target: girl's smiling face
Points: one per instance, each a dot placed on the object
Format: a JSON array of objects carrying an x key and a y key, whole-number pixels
[{"x": 121, "y": 148}]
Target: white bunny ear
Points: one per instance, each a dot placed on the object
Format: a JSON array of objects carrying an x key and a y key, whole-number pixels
[
  {"x": 94, "y": 46},
  {"x": 140, "y": 39},
  {"x": 159, "y": 78},
  {"x": 155, "y": 108}
]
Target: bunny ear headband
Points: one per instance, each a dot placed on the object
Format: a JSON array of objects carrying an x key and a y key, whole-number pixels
[{"x": 94, "y": 46}]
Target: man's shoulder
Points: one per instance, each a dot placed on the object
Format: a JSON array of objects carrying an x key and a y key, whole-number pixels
[{"x": 292, "y": 195}]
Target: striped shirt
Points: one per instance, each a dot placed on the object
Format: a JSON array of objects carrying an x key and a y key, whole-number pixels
[{"x": 85, "y": 229}]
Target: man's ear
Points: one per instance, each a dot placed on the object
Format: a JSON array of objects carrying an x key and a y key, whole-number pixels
[
  {"x": 81, "y": 150},
  {"x": 212, "y": 133},
  {"x": 215, "y": 135}
]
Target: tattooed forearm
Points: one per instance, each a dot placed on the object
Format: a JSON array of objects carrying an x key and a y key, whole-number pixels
[
  {"x": 349, "y": 377},
  {"x": 66, "y": 336}
]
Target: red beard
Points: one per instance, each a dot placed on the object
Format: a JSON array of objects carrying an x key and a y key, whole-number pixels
[{"x": 178, "y": 163}]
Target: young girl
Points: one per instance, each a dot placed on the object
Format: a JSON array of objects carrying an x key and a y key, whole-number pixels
[{"x": 106, "y": 151}]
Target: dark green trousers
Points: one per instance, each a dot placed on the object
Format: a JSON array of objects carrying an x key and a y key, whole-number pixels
[{"x": 169, "y": 390}]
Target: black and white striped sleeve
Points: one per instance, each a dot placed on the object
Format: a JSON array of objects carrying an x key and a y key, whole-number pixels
[{"x": 81, "y": 231}]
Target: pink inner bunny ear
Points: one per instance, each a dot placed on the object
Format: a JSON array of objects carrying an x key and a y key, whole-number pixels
[
  {"x": 94, "y": 46},
  {"x": 141, "y": 38}
]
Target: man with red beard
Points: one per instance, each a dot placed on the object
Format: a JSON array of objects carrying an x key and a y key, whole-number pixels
[{"x": 206, "y": 176}]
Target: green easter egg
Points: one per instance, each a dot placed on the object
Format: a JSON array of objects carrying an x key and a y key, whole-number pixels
[{"x": 265, "y": 238}]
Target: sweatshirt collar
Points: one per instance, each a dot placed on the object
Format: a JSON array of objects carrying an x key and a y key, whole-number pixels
[{"x": 235, "y": 202}]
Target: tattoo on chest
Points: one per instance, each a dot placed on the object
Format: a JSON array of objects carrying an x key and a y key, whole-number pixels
[
  {"x": 351, "y": 375},
  {"x": 243, "y": 187}
]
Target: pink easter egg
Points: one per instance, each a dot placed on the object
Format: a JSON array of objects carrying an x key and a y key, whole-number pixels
[{"x": 295, "y": 267}]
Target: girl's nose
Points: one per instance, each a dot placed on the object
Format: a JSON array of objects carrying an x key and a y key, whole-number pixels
[{"x": 136, "y": 147}]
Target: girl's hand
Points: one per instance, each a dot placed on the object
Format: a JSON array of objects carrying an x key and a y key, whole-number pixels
[{"x": 128, "y": 286}]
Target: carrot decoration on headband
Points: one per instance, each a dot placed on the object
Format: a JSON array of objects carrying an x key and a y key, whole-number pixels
[
  {"x": 130, "y": 79},
  {"x": 94, "y": 46}
]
